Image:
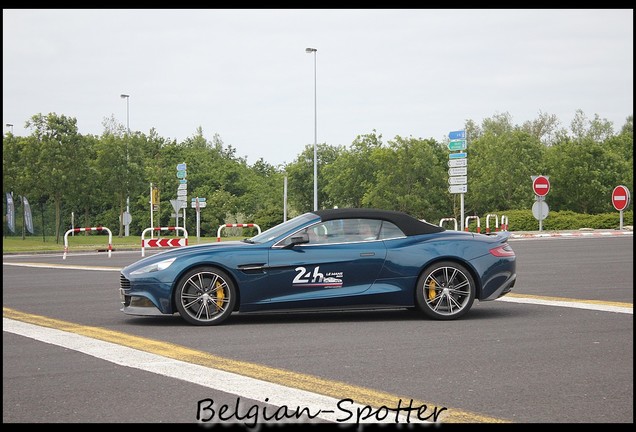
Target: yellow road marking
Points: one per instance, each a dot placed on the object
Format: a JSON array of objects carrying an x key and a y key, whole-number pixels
[
  {"x": 570, "y": 300},
  {"x": 287, "y": 378}
]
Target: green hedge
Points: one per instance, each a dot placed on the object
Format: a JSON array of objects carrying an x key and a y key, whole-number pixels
[{"x": 523, "y": 220}]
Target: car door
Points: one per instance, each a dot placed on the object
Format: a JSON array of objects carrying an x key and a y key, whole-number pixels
[{"x": 341, "y": 266}]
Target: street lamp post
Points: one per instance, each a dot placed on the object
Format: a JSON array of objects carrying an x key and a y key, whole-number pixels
[
  {"x": 127, "y": 97},
  {"x": 127, "y": 215},
  {"x": 309, "y": 51},
  {"x": 10, "y": 125}
]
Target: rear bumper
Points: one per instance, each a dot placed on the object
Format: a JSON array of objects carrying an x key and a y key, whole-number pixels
[{"x": 502, "y": 290}]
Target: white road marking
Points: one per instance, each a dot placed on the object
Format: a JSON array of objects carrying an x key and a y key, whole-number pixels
[{"x": 319, "y": 406}]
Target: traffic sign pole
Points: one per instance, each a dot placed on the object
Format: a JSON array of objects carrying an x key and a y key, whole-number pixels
[
  {"x": 182, "y": 191},
  {"x": 457, "y": 162},
  {"x": 540, "y": 201},
  {"x": 620, "y": 201},
  {"x": 151, "y": 209},
  {"x": 198, "y": 203},
  {"x": 541, "y": 187},
  {"x": 461, "y": 205},
  {"x": 198, "y": 221}
]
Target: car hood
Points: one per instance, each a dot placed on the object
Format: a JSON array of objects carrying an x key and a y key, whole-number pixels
[{"x": 189, "y": 250}]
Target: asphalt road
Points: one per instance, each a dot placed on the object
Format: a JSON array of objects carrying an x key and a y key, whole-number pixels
[{"x": 551, "y": 360}]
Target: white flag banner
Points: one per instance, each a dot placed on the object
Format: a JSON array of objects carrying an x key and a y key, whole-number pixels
[
  {"x": 10, "y": 213},
  {"x": 28, "y": 220}
]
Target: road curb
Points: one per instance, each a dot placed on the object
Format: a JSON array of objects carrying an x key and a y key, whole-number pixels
[{"x": 573, "y": 234}]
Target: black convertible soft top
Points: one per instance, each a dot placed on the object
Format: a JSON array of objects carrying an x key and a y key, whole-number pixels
[{"x": 408, "y": 224}]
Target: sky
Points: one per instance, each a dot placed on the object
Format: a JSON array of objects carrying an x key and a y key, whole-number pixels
[{"x": 243, "y": 74}]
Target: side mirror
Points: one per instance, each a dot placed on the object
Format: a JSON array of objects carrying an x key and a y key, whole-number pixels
[{"x": 300, "y": 238}]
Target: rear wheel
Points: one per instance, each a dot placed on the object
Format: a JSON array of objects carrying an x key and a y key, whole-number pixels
[
  {"x": 205, "y": 296},
  {"x": 445, "y": 291}
]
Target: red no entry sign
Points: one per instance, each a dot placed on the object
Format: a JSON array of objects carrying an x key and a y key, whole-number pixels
[
  {"x": 620, "y": 198},
  {"x": 541, "y": 185}
]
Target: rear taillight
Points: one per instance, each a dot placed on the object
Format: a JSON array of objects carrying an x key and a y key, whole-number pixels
[{"x": 503, "y": 251}]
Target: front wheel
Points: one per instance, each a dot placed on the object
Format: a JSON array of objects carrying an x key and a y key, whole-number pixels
[
  {"x": 205, "y": 296},
  {"x": 445, "y": 291}
]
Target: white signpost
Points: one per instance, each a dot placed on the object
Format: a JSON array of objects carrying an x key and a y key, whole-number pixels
[
  {"x": 458, "y": 171},
  {"x": 452, "y": 163},
  {"x": 198, "y": 203},
  {"x": 460, "y": 189},
  {"x": 458, "y": 180}
]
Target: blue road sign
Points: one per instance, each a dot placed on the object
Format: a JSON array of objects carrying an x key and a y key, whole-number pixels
[
  {"x": 181, "y": 167},
  {"x": 457, "y": 135},
  {"x": 461, "y": 155}
]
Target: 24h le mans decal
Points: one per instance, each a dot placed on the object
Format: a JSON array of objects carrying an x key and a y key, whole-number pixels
[{"x": 309, "y": 278}]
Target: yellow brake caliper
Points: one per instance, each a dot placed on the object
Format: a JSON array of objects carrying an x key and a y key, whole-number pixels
[
  {"x": 220, "y": 295},
  {"x": 431, "y": 290}
]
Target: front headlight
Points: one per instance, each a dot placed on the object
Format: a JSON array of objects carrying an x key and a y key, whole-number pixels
[{"x": 158, "y": 266}]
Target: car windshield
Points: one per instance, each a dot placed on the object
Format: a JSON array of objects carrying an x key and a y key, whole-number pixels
[{"x": 282, "y": 228}]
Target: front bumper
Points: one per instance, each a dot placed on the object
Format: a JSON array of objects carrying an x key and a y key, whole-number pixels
[{"x": 136, "y": 303}]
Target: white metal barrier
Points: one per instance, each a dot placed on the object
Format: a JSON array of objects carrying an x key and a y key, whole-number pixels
[
  {"x": 110, "y": 238},
  {"x": 159, "y": 242},
  {"x": 478, "y": 223},
  {"x": 441, "y": 221},
  {"x": 247, "y": 225},
  {"x": 488, "y": 222},
  {"x": 504, "y": 225}
]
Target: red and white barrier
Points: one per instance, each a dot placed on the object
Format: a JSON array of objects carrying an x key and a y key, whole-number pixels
[
  {"x": 441, "y": 221},
  {"x": 504, "y": 223},
  {"x": 247, "y": 225},
  {"x": 478, "y": 223},
  {"x": 159, "y": 242},
  {"x": 488, "y": 222},
  {"x": 110, "y": 238}
]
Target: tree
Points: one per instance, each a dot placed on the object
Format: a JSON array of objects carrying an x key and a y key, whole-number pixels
[
  {"x": 621, "y": 151},
  {"x": 411, "y": 177},
  {"x": 61, "y": 158},
  {"x": 15, "y": 179},
  {"x": 581, "y": 176},
  {"x": 544, "y": 128},
  {"x": 300, "y": 175},
  {"x": 94, "y": 175},
  {"x": 500, "y": 167},
  {"x": 352, "y": 174},
  {"x": 111, "y": 157},
  {"x": 498, "y": 124},
  {"x": 597, "y": 129}
]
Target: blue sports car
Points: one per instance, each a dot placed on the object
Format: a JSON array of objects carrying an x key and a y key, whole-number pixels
[{"x": 330, "y": 259}]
